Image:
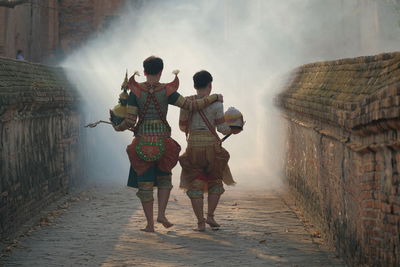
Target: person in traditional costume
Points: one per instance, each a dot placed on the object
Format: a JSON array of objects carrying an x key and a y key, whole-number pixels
[
  {"x": 153, "y": 153},
  {"x": 205, "y": 162}
]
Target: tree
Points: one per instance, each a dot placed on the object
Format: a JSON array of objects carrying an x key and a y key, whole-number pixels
[{"x": 12, "y": 3}]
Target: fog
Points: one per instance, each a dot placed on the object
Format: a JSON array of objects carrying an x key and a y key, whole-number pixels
[{"x": 247, "y": 45}]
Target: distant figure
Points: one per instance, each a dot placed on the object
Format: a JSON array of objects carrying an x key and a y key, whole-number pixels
[{"x": 20, "y": 55}]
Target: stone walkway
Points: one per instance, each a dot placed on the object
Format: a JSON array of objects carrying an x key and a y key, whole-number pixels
[{"x": 100, "y": 227}]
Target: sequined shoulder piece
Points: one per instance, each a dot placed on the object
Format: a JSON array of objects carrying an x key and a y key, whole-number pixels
[
  {"x": 173, "y": 86},
  {"x": 134, "y": 86}
]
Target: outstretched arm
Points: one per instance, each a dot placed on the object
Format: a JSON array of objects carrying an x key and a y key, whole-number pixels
[
  {"x": 192, "y": 105},
  {"x": 219, "y": 121},
  {"x": 184, "y": 120}
]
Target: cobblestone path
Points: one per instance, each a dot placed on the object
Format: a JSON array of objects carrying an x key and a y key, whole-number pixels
[{"x": 100, "y": 227}]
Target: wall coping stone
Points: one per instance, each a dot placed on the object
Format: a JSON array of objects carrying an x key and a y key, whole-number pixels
[
  {"x": 359, "y": 94},
  {"x": 24, "y": 84}
]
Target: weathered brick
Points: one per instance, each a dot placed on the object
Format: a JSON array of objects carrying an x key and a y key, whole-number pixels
[
  {"x": 368, "y": 186},
  {"x": 373, "y": 251},
  {"x": 367, "y": 195},
  {"x": 396, "y": 209},
  {"x": 375, "y": 233},
  {"x": 371, "y": 214},
  {"x": 394, "y": 199},
  {"x": 353, "y": 103},
  {"x": 387, "y": 208},
  {"x": 371, "y": 167},
  {"x": 371, "y": 223},
  {"x": 36, "y": 157},
  {"x": 393, "y": 192},
  {"x": 390, "y": 229},
  {"x": 375, "y": 242},
  {"x": 379, "y": 167},
  {"x": 393, "y": 219},
  {"x": 369, "y": 204},
  {"x": 368, "y": 177}
]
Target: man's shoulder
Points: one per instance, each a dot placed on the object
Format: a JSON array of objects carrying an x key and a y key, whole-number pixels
[
  {"x": 191, "y": 97},
  {"x": 217, "y": 105}
]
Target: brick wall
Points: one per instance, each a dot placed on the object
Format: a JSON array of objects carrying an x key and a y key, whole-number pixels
[
  {"x": 343, "y": 159},
  {"x": 31, "y": 27},
  {"x": 46, "y": 30},
  {"x": 81, "y": 19},
  {"x": 39, "y": 140}
]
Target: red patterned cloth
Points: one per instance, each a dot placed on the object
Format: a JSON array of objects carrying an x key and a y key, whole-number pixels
[{"x": 165, "y": 163}]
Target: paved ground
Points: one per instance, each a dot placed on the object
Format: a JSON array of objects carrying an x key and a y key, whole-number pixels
[{"x": 100, "y": 227}]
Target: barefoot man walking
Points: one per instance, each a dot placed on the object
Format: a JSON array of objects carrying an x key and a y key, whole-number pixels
[{"x": 205, "y": 162}]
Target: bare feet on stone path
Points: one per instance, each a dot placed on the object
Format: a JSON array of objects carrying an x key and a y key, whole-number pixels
[
  {"x": 164, "y": 221},
  {"x": 103, "y": 229},
  {"x": 148, "y": 229}
]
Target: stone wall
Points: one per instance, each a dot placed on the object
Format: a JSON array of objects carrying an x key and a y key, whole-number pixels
[
  {"x": 31, "y": 27},
  {"x": 39, "y": 140},
  {"x": 46, "y": 30},
  {"x": 81, "y": 19},
  {"x": 343, "y": 159}
]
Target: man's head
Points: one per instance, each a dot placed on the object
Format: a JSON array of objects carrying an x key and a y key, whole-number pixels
[
  {"x": 153, "y": 65},
  {"x": 202, "y": 82}
]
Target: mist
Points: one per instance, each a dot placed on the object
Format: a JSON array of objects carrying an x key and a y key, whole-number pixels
[{"x": 247, "y": 45}]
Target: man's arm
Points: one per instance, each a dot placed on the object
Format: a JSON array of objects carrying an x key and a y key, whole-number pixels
[
  {"x": 184, "y": 120},
  {"x": 131, "y": 114},
  {"x": 219, "y": 121},
  {"x": 192, "y": 105}
]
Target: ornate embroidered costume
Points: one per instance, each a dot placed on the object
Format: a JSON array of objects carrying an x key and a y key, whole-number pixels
[
  {"x": 153, "y": 153},
  {"x": 205, "y": 162},
  {"x": 118, "y": 113}
]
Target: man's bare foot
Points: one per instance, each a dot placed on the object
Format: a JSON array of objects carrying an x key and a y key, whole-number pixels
[
  {"x": 211, "y": 222},
  {"x": 201, "y": 226},
  {"x": 164, "y": 221},
  {"x": 148, "y": 229}
]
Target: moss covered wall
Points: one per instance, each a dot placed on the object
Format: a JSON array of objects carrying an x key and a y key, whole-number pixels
[
  {"x": 39, "y": 140},
  {"x": 343, "y": 153}
]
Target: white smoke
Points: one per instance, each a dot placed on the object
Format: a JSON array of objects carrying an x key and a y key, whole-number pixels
[{"x": 245, "y": 44}]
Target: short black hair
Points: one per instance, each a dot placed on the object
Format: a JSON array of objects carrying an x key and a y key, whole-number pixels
[
  {"x": 201, "y": 79},
  {"x": 153, "y": 65},
  {"x": 19, "y": 51}
]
